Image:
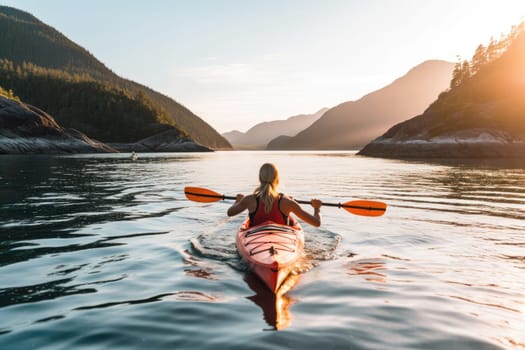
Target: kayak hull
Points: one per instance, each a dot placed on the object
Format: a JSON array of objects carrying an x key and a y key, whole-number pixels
[{"x": 271, "y": 250}]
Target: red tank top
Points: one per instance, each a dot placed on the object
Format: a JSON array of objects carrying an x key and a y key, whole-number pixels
[{"x": 275, "y": 215}]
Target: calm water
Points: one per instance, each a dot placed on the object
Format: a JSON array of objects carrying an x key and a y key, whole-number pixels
[{"x": 104, "y": 253}]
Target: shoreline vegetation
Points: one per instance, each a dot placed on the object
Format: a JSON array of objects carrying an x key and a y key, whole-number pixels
[{"x": 25, "y": 129}]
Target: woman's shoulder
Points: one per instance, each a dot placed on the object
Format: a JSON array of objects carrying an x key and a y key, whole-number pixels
[
  {"x": 286, "y": 199},
  {"x": 288, "y": 204},
  {"x": 250, "y": 198}
]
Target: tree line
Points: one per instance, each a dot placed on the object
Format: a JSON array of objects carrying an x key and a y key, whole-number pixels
[
  {"x": 18, "y": 31},
  {"x": 465, "y": 69},
  {"x": 483, "y": 92},
  {"x": 99, "y": 109}
]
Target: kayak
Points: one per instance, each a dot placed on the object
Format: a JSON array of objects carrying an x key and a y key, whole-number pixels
[{"x": 271, "y": 250}]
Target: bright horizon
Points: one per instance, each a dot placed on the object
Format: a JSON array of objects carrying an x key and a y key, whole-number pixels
[{"x": 237, "y": 63}]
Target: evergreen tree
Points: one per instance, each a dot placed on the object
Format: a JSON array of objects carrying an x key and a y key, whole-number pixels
[
  {"x": 463, "y": 70},
  {"x": 479, "y": 59}
]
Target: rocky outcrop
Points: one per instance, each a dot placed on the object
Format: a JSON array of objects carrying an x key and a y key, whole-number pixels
[
  {"x": 460, "y": 135},
  {"x": 27, "y": 129},
  {"x": 474, "y": 143},
  {"x": 171, "y": 140}
]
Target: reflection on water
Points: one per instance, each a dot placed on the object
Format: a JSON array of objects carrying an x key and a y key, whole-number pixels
[
  {"x": 275, "y": 306},
  {"x": 97, "y": 251},
  {"x": 183, "y": 296},
  {"x": 43, "y": 291},
  {"x": 197, "y": 266},
  {"x": 371, "y": 270},
  {"x": 219, "y": 244}
]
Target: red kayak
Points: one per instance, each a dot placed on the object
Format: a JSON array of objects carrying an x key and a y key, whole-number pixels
[{"x": 272, "y": 250}]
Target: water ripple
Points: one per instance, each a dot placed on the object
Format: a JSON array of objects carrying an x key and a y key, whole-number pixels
[{"x": 97, "y": 251}]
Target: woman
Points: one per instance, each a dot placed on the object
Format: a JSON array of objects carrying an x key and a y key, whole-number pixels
[{"x": 266, "y": 203}]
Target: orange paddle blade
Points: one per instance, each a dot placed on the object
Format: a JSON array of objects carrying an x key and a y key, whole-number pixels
[
  {"x": 202, "y": 195},
  {"x": 365, "y": 208}
]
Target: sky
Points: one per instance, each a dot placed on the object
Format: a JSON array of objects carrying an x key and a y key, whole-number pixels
[{"x": 236, "y": 63}]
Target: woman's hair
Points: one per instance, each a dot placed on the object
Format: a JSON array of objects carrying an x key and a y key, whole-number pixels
[{"x": 267, "y": 189}]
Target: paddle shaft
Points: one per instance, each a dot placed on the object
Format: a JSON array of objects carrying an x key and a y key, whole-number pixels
[{"x": 343, "y": 205}]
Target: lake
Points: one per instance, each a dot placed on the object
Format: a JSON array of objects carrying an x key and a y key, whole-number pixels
[{"x": 101, "y": 252}]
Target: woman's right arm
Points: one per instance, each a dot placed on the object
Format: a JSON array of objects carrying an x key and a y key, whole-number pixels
[{"x": 315, "y": 219}]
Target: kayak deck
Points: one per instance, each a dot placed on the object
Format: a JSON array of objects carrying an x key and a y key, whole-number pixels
[{"x": 272, "y": 250}]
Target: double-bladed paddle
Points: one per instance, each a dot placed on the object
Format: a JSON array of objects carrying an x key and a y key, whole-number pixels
[{"x": 357, "y": 207}]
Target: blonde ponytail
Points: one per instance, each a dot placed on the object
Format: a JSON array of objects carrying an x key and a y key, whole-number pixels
[{"x": 267, "y": 189}]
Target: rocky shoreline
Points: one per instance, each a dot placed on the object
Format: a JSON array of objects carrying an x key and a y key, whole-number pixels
[
  {"x": 25, "y": 129},
  {"x": 474, "y": 144},
  {"x": 166, "y": 141}
]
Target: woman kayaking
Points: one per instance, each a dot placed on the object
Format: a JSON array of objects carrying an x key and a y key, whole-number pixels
[{"x": 267, "y": 204}]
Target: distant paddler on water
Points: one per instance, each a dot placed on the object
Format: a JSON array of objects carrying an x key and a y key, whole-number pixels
[{"x": 134, "y": 156}]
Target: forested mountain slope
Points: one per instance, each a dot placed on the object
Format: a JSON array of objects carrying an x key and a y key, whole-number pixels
[
  {"x": 481, "y": 115},
  {"x": 48, "y": 70}
]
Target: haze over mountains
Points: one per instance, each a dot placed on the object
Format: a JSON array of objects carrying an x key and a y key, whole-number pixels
[
  {"x": 353, "y": 124},
  {"x": 259, "y": 135},
  {"x": 47, "y": 70}
]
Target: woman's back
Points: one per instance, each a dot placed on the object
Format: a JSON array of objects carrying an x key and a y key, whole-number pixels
[{"x": 275, "y": 215}]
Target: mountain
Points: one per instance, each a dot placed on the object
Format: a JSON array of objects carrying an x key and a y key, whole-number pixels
[
  {"x": 482, "y": 115},
  {"x": 352, "y": 124},
  {"x": 258, "y": 136},
  {"x": 235, "y": 137},
  {"x": 48, "y": 70}
]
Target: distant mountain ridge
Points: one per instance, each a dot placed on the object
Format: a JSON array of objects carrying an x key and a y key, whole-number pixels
[
  {"x": 353, "y": 124},
  {"x": 33, "y": 49},
  {"x": 258, "y": 136},
  {"x": 482, "y": 116}
]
